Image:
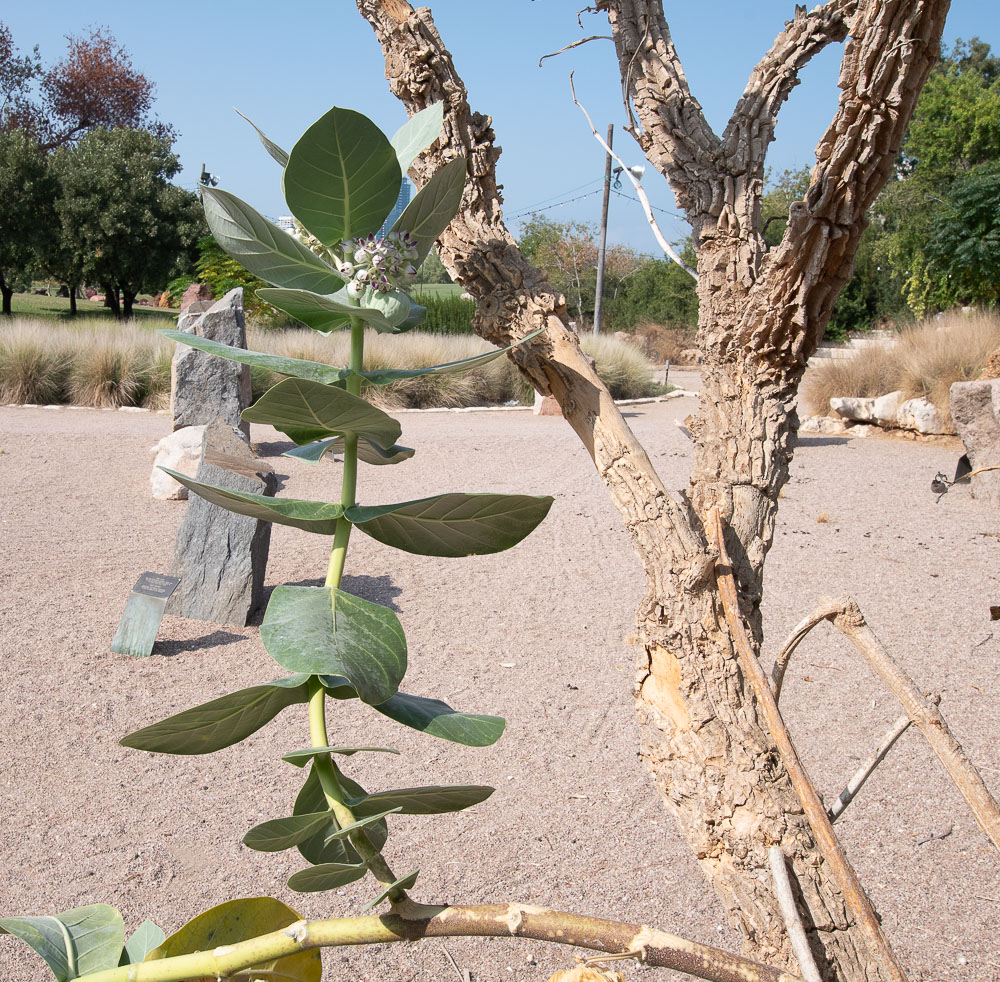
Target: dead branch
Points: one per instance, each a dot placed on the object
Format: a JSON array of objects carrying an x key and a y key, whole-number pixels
[
  {"x": 826, "y": 839},
  {"x": 790, "y": 912},
  {"x": 866, "y": 770},
  {"x": 643, "y": 200},
  {"x": 575, "y": 44}
]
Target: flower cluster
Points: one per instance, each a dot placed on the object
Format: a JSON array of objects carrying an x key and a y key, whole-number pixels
[{"x": 378, "y": 264}]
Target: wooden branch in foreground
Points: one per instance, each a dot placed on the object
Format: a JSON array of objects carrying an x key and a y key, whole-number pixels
[
  {"x": 826, "y": 839},
  {"x": 846, "y": 617},
  {"x": 866, "y": 770},
  {"x": 412, "y": 922},
  {"x": 790, "y": 912}
]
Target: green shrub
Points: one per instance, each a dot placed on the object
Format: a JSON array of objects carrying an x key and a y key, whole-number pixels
[{"x": 447, "y": 314}]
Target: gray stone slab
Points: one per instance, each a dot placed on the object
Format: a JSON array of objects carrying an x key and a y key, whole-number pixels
[
  {"x": 204, "y": 387},
  {"x": 975, "y": 411},
  {"x": 219, "y": 556}
]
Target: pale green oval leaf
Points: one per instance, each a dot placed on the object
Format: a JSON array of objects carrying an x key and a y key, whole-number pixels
[
  {"x": 146, "y": 937},
  {"x": 269, "y": 145},
  {"x": 403, "y": 883},
  {"x": 322, "y": 631},
  {"x": 310, "y": 516},
  {"x": 309, "y": 411},
  {"x": 325, "y": 846},
  {"x": 221, "y": 722},
  {"x": 242, "y": 920},
  {"x": 74, "y": 943},
  {"x": 283, "y": 833},
  {"x": 433, "y": 207},
  {"x": 326, "y": 876},
  {"x": 302, "y": 757},
  {"x": 437, "y": 718},
  {"x": 386, "y": 375},
  {"x": 324, "y": 313},
  {"x": 294, "y": 367},
  {"x": 453, "y": 525},
  {"x": 264, "y": 249},
  {"x": 368, "y": 452},
  {"x": 431, "y": 800},
  {"x": 342, "y": 177},
  {"x": 417, "y": 134}
]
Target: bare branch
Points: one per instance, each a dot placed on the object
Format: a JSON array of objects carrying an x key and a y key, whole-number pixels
[
  {"x": 866, "y": 770},
  {"x": 675, "y": 137},
  {"x": 826, "y": 610},
  {"x": 826, "y": 839},
  {"x": 643, "y": 200},
  {"x": 751, "y": 128},
  {"x": 575, "y": 44},
  {"x": 790, "y": 912}
]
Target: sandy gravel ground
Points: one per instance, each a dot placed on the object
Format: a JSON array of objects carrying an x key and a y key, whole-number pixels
[{"x": 539, "y": 635}]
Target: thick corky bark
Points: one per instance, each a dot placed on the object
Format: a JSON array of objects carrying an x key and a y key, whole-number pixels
[{"x": 761, "y": 315}]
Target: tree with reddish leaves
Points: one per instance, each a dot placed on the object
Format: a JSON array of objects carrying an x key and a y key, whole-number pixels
[{"x": 94, "y": 86}]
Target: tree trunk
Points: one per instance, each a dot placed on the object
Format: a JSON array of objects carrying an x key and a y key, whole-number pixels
[
  {"x": 128, "y": 299},
  {"x": 111, "y": 300},
  {"x": 761, "y": 315},
  {"x": 71, "y": 289},
  {"x": 7, "y": 292}
]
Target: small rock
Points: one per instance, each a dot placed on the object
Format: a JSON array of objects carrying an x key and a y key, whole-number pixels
[
  {"x": 194, "y": 293},
  {"x": 823, "y": 424},
  {"x": 922, "y": 416},
  {"x": 885, "y": 407},
  {"x": 850, "y": 407},
  {"x": 180, "y": 451}
]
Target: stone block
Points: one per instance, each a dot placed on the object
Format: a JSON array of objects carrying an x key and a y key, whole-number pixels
[
  {"x": 922, "y": 416},
  {"x": 219, "y": 556},
  {"x": 202, "y": 386},
  {"x": 849, "y": 407},
  {"x": 975, "y": 410},
  {"x": 180, "y": 451},
  {"x": 885, "y": 408}
]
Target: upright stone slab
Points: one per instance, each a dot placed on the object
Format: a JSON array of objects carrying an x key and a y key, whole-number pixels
[
  {"x": 202, "y": 386},
  {"x": 221, "y": 557},
  {"x": 975, "y": 411}
]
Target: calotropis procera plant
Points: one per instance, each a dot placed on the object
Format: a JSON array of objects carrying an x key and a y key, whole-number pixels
[{"x": 341, "y": 180}]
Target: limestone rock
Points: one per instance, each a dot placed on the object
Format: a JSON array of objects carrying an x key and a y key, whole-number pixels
[
  {"x": 546, "y": 406},
  {"x": 180, "y": 451},
  {"x": 202, "y": 386},
  {"x": 922, "y": 416},
  {"x": 219, "y": 556},
  {"x": 992, "y": 367},
  {"x": 884, "y": 408},
  {"x": 975, "y": 410},
  {"x": 194, "y": 293},
  {"x": 849, "y": 407},
  {"x": 823, "y": 424}
]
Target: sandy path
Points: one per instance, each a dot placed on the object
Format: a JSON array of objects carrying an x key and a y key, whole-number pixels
[{"x": 574, "y": 823}]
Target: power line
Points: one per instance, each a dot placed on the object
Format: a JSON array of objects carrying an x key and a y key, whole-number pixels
[
  {"x": 544, "y": 203},
  {"x": 663, "y": 211},
  {"x": 557, "y": 204}
]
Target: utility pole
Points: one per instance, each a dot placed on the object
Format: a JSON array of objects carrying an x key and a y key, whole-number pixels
[{"x": 604, "y": 234}]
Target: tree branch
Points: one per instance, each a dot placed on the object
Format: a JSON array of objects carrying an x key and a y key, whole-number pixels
[
  {"x": 674, "y": 135},
  {"x": 751, "y": 128},
  {"x": 414, "y": 922}
]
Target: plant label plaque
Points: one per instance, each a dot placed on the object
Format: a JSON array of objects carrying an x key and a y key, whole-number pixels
[{"x": 137, "y": 630}]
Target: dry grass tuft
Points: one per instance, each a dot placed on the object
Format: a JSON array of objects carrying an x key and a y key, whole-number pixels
[
  {"x": 924, "y": 362},
  {"x": 662, "y": 343}
]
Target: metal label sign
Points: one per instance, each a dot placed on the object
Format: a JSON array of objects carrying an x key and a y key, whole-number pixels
[{"x": 140, "y": 622}]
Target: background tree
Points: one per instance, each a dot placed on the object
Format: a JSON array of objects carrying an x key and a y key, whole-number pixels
[
  {"x": 129, "y": 227},
  {"x": 708, "y": 734},
  {"x": 94, "y": 86},
  {"x": 432, "y": 269},
  {"x": 27, "y": 197},
  {"x": 657, "y": 291}
]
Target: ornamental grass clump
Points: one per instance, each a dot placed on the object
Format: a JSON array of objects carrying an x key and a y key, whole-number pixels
[{"x": 341, "y": 180}]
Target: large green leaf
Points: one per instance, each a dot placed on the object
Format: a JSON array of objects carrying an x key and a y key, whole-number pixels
[
  {"x": 325, "y": 313},
  {"x": 269, "y": 145},
  {"x": 221, "y": 722},
  {"x": 74, "y": 943},
  {"x": 433, "y": 207},
  {"x": 283, "y": 833},
  {"x": 326, "y": 876},
  {"x": 403, "y": 883},
  {"x": 146, "y": 937},
  {"x": 436, "y": 718},
  {"x": 324, "y": 631},
  {"x": 370, "y": 453},
  {"x": 325, "y": 846},
  {"x": 453, "y": 524},
  {"x": 302, "y": 757},
  {"x": 386, "y": 375},
  {"x": 241, "y": 920},
  {"x": 430, "y": 800},
  {"x": 342, "y": 177},
  {"x": 311, "y": 516},
  {"x": 296, "y": 367},
  {"x": 264, "y": 249},
  {"x": 309, "y": 411},
  {"x": 417, "y": 134}
]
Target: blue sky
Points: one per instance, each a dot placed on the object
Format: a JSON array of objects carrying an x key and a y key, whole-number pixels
[{"x": 284, "y": 67}]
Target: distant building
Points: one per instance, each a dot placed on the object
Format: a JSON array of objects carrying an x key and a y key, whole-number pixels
[
  {"x": 286, "y": 222},
  {"x": 405, "y": 193}
]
